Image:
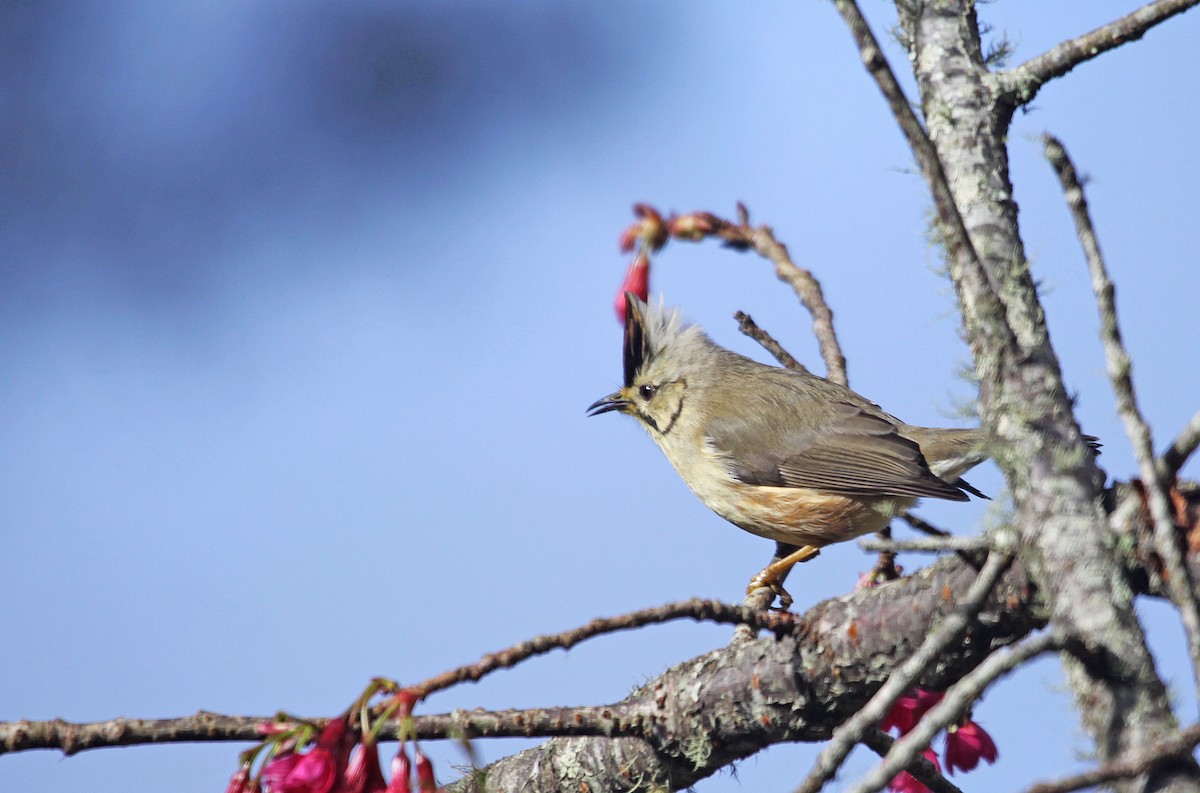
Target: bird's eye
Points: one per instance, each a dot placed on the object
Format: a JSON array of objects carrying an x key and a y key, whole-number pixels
[{"x": 647, "y": 391}]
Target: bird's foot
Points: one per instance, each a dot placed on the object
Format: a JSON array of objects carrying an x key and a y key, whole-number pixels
[
  {"x": 764, "y": 578},
  {"x": 773, "y": 574}
]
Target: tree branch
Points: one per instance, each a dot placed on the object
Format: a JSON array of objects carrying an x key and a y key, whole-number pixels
[
  {"x": 1139, "y": 763},
  {"x": 1181, "y": 449},
  {"x": 957, "y": 700},
  {"x": 927, "y": 545},
  {"x": 761, "y": 240},
  {"x": 949, "y": 631},
  {"x": 1178, "y": 581},
  {"x": 1019, "y": 85},
  {"x": 976, "y": 294},
  {"x": 707, "y": 712},
  {"x": 924, "y": 771},
  {"x": 696, "y": 609},
  {"x": 750, "y": 328}
]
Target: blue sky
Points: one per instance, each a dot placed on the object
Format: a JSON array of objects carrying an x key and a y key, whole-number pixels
[{"x": 303, "y": 304}]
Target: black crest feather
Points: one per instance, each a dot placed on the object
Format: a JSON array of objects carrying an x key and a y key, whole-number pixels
[{"x": 635, "y": 338}]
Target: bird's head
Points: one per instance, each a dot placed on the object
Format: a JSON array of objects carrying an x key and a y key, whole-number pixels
[{"x": 661, "y": 354}]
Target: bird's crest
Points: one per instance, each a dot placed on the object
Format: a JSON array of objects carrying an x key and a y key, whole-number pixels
[{"x": 649, "y": 330}]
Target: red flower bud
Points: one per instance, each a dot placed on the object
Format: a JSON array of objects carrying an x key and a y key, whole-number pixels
[
  {"x": 637, "y": 281},
  {"x": 313, "y": 772},
  {"x": 425, "y": 780},
  {"x": 363, "y": 774},
  {"x": 240, "y": 781},
  {"x": 401, "y": 773}
]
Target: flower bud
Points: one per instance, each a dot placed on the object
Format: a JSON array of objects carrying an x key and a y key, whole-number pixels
[{"x": 637, "y": 281}]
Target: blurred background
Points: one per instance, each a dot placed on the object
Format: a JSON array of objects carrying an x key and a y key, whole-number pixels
[{"x": 303, "y": 302}]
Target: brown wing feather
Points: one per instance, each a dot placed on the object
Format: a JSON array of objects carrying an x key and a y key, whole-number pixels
[{"x": 856, "y": 454}]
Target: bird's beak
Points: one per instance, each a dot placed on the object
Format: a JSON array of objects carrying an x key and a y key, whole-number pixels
[{"x": 613, "y": 401}]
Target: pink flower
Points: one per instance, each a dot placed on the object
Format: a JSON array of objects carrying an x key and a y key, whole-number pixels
[
  {"x": 363, "y": 774},
  {"x": 240, "y": 781},
  {"x": 315, "y": 771},
  {"x": 425, "y": 780},
  {"x": 905, "y": 782},
  {"x": 966, "y": 745},
  {"x": 909, "y": 709},
  {"x": 401, "y": 773},
  {"x": 637, "y": 281}
]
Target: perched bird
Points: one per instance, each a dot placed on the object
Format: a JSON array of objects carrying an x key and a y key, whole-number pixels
[{"x": 782, "y": 454}]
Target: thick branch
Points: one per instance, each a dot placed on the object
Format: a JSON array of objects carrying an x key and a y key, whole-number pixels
[
  {"x": 1029, "y": 415},
  {"x": 1018, "y": 86}
]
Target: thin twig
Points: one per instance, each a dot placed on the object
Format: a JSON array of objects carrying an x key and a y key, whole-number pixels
[
  {"x": 949, "y": 631},
  {"x": 929, "y": 545},
  {"x": 696, "y": 609},
  {"x": 741, "y": 236},
  {"x": 750, "y": 328},
  {"x": 885, "y": 568},
  {"x": 1141, "y": 762},
  {"x": 1179, "y": 582},
  {"x": 1181, "y": 449},
  {"x": 957, "y": 700},
  {"x": 922, "y": 525},
  {"x": 1020, "y": 84},
  {"x": 72, "y": 737},
  {"x": 924, "y": 771}
]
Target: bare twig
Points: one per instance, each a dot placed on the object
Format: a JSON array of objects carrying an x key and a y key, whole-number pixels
[
  {"x": 885, "y": 568},
  {"x": 741, "y": 235},
  {"x": 955, "y": 702},
  {"x": 1179, "y": 582},
  {"x": 1140, "y": 762},
  {"x": 1021, "y": 84},
  {"x": 1181, "y": 449},
  {"x": 951, "y": 628},
  {"x": 696, "y": 609},
  {"x": 922, "y": 525},
  {"x": 924, "y": 771},
  {"x": 71, "y": 737},
  {"x": 929, "y": 545},
  {"x": 750, "y": 328}
]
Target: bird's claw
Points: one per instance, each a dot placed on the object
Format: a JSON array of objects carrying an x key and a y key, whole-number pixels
[{"x": 769, "y": 580}]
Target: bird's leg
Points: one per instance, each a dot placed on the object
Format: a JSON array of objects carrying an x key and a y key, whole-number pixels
[{"x": 773, "y": 574}]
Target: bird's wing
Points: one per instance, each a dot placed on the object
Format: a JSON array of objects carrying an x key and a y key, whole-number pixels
[{"x": 854, "y": 454}]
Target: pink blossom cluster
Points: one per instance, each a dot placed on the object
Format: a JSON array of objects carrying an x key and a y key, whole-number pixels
[
  {"x": 966, "y": 743},
  {"x": 342, "y": 760}
]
